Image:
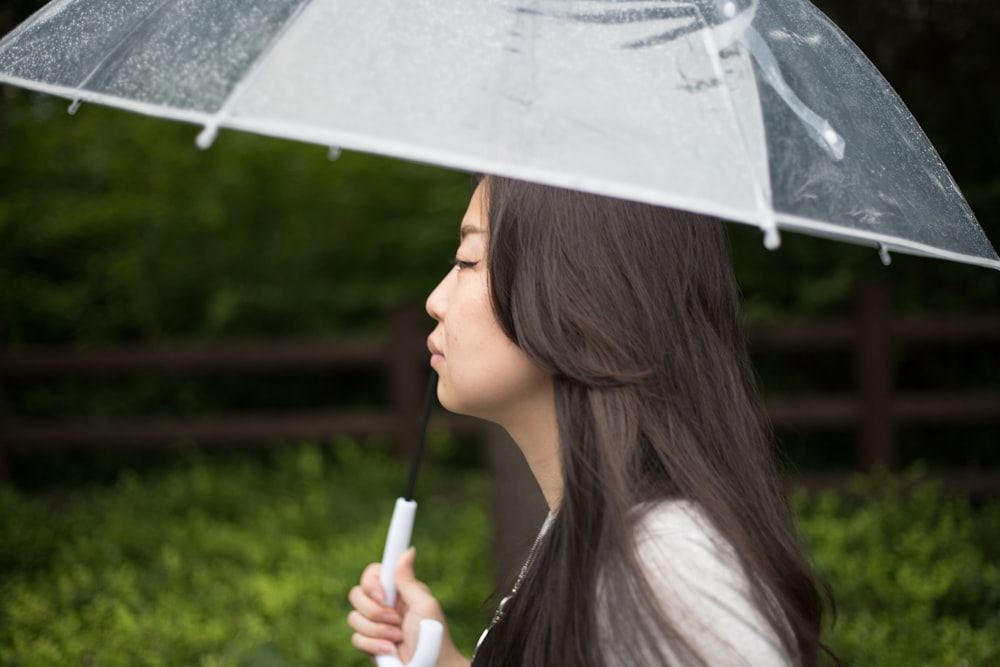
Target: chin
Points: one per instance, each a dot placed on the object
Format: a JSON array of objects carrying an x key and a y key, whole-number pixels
[
  {"x": 447, "y": 400},
  {"x": 453, "y": 404}
]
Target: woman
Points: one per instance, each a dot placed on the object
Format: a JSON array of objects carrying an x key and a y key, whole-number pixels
[{"x": 605, "y": 336}]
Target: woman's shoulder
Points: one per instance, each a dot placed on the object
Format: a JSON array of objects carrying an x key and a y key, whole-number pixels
[
  {"x": 678, "y": 546},
  {"x": 673, "y": 519},
  {"x": 701, "y": 584}
]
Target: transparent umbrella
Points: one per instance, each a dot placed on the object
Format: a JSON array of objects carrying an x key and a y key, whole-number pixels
[{"x": 756, "y": 111}]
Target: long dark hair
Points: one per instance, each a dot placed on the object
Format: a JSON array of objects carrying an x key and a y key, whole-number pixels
[{"x": 636, "y": 312}]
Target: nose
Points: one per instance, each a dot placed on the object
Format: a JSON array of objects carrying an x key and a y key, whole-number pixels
[{"x": 437, "y": 300}]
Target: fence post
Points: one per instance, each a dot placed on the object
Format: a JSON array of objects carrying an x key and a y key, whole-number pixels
[
  {"x": 873, "y": 372},
  {"x": 407, "y": 378}
]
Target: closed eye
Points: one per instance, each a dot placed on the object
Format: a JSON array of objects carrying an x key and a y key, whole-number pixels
[{"x": 461, "y": 263}]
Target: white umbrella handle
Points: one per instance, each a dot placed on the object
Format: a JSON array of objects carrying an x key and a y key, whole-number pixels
[{"x": 429, "y": 640}]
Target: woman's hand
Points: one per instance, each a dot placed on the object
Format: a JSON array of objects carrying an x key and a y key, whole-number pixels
[{"x": 382, "y": 630}]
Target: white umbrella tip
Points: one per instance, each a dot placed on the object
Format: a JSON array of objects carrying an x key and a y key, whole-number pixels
[
  {"x": 772, "y": 238},
  {"x": 883, "y": 253},
  {"x": 207, "y": 137}
]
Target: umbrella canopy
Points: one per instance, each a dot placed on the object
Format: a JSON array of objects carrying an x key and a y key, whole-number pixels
[{"x": 757, "y": 111}]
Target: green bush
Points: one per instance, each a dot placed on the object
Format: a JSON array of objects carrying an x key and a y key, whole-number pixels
[
  {"x": 247, "y": 563},
  {"x": 913, "y": 571},
  {"x": 243, "y": 564}
]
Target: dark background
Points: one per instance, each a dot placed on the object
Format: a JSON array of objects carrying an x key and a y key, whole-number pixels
[{"x": 114, "y": 228}]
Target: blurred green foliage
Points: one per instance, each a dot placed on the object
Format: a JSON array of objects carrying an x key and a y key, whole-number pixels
[
  {"x": 915, "y": 573},
  {"x": 115, "y": 227},
  {"x": 247, "y": 563},
  {"x": 241, "y": 562}
]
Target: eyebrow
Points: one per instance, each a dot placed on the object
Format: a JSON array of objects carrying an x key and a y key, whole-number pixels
[{"x": 468, "y": 229}]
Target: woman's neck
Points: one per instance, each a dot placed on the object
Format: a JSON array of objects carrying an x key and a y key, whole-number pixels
[{"x": 537, "y": 435}]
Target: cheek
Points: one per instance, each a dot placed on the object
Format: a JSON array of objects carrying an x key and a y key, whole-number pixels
[
  {"x": 496, "y": 383},
  {"x": 486, "y": 374},
  {"x": 471, "y": 323}
]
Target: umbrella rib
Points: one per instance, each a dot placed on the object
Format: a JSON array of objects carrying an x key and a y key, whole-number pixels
[
  {"x": 815, "y": 227},
  {"x": 817, "y": 126},
  {"x": 212, "y": 125},
  {"x": 762, "y": 196},
  {"x": 76, "y": 101}
]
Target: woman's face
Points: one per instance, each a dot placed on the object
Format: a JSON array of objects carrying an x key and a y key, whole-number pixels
[{"x": 481, "y": 371}]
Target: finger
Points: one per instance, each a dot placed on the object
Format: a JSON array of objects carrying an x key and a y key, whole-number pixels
[
  {"x": 369, "y": 628},
  {"x": 372, "y": 646},
  {"x": 371, "y": 584},
  {"x": 371, "y": 609}
]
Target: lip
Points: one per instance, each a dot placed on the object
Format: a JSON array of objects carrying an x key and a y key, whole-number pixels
[{"x": 436, "y": 354}]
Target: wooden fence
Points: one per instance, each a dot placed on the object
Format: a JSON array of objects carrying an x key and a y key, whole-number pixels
[{"x": 873, "y": 407}]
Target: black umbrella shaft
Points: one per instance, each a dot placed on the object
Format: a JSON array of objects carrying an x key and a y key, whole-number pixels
[{"x": 411, "y": 483}]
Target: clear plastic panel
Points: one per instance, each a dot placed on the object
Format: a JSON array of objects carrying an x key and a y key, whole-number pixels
[
  {"x": 181, "y": 54},
  {"x": 525, "y": 89},
  {"x": 65, "y": 41},
  {"x": 890, "y": 182}
]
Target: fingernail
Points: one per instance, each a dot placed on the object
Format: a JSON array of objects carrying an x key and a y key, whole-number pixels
[
  {"x": 385, "y": 648},
  {"x": 395, "y": 635},
  {"x": 390, "y": 617},
  {"x": 378, "y": 597}
]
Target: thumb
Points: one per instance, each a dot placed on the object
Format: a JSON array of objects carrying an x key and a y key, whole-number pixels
[
  {"x": 413, "y": 592},
  {"x": 405, "y": 575},
  {"x": 419, "y": 602}
]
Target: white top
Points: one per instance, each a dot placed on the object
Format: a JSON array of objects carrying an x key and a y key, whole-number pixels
[{"x": 702, "y": 589}]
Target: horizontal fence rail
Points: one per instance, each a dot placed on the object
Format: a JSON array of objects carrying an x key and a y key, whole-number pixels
[{"x": 873, "y": 408}]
